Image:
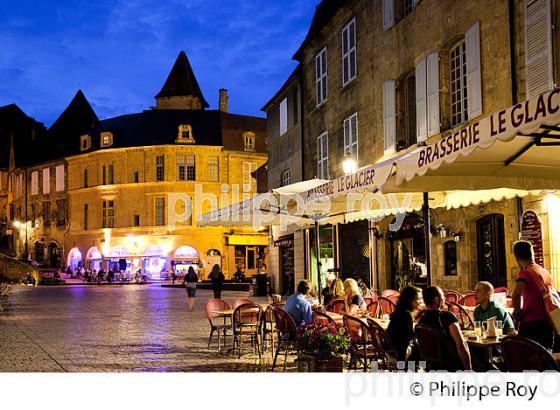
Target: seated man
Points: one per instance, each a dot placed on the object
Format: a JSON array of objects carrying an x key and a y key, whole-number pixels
[
  {"x": 487, "y": 308},
  {"x": 447, "y": 322},
  {"x": 298, "y": 307}
]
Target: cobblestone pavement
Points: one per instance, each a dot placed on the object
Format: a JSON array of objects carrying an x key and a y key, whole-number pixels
[{"x": 86, "y": 328}]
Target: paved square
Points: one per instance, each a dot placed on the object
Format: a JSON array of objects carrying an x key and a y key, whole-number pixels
[{"x": 88, "y": 328}]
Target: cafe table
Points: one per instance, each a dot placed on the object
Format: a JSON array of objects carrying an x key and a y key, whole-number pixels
[
  {"x": 339, "y": 319},
  {"x": 471, "y": 309}
]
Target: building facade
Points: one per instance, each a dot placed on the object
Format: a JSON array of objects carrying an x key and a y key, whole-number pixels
[
  {"x": 382, "y": 77},
  {"x": 125, "y": 193}
]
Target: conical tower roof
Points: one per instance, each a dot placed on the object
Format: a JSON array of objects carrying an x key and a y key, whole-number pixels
[{"x": 182, "y": 81}]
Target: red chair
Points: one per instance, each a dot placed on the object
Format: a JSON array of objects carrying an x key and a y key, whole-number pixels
[
  {"x": 247, "y": 321},
  {"x": 390, "y": 292},
  {"x": 394, "y": 298},
  {"x": 286, "y": 329},
  {"x": 436, "y": 349},
  {"x": 369, "y": 299},
  {"x": 336, "y": 306},
  {"x": 373, "y": 309},
  {"x": 240, "y": 302},
  {"x": 386, "y": 306},
  {"x": 360, "y": 344},
  {"x": 465, "y": 319},
  {"x": 452, "y": 296},
  {"x": 212, "y": 306},
  {"x": 322, "y": 319},
  {"x": 502, "y": 290},
  {"x": 468, "y": 300},
  {"x": 521, "y": 354}
]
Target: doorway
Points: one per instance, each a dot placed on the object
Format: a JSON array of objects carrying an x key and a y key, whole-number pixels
[
  {"x": 491, "y": 252},
  {"x": 287, "y": 278}
]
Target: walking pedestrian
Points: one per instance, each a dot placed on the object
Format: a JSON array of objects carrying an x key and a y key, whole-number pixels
[
  {"x": 217, "y": 277},
  {"x": 190, "y": 280}
]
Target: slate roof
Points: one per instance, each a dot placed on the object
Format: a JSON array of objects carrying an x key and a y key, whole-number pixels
[{"x": 182, "y": 81}]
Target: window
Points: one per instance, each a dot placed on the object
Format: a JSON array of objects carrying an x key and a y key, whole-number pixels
[
  {"x": 106, "y": 139},
  {"x": 46, "y": 213},
  {"x": 108, "y": 214},
  {"x": 249, "y": 257},
  {"x": 351, "y": 136},
  {"x": 60, "y": 212},
  {"x": 136, "y": 177},
  {"x": 249, "y": 141},
  {"x": 160, "y": 171},
  {"x": 107, "y": 176},
  {"x": 59, "y": 178},
  {"x": 185, "y": 134},
  {"x": 323, "y": 156},
  {"x": 286, "y": 177},
  {"x": 135, "y": 220},
  {"x": 86, "y": 217},
  {"x": 85, "y": 142},
  {"x": 408, "y": 6},
  {"x": 248, "y": 180},
  {"x": 349, "y": 52},
  {"x": 213, "y": 168},
  {"x": 46, "y": 180},
  {"x": 450, "y": 253},
  {"x": 321, "y": 76},
  {"x": 406, "y": 109},
  {"x": 34, "y": 183},
  {"x": 186, "y": 170},
  {"x": 160, "y": 211},
  {"x": 86, "y": 178},
  {"x": 458, "y": 83},
  {"x": 283, "y": 116}
]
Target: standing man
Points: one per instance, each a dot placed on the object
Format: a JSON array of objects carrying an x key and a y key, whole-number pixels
[
  {"x": 532, "y": 280},
  {"x": 298, "y": 307}
]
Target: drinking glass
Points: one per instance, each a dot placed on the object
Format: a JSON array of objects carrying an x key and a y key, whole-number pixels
[
  {"x": 499, "y": 329},
  {"x": 478, "y": 328}
]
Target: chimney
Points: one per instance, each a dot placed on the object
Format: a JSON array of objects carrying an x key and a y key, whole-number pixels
[{"x": 223, "y": 100}]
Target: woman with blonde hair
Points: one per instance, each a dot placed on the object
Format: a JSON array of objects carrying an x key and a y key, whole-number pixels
[
  {"x": 354, "y": 301},
  {"x": 337, "y": 289}
]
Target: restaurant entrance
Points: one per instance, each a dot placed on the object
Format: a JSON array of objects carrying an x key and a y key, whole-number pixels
[
  {"x": 408, "y": 253},
  {"x": 490, "y": 245},
  {"x": 287, "y": 278}
]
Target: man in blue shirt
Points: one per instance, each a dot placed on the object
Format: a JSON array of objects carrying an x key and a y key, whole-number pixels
[{"x": 298, "y": 307}]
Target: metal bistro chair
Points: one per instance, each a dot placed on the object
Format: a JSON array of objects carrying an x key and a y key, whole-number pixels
[
  {"x": 468, "y": 300},
  {"x": 465, "y": 319},
  {"x": 385, "y": 351},
  {"x": 361, "y": 348},
  {"x": 373, "y": 309},
  {"x": 269, "y": 328},
  {"x": 437, "y": 350},
  {"x": 452, "y": 296},
  {"x": 387, "y": 306},
  {"x": 216, "y": 305},
  {"x": 389, "y": 292},
  {"x": 322, "y": 319},
  {"x": 336, "y": 306},
  {"x": 247, "y": 321},
  {"x": 521, "y": 354},
  {"x": 286, "y": 329},
  {"x": 240, "y": 302}
]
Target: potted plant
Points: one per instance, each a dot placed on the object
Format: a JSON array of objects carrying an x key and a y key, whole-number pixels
[
  {"x": 321, "y": 347},
  {"x": 456, "y": 234}
]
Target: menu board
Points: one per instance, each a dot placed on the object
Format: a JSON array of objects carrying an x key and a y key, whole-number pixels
[{"x": 531, "y": 231}]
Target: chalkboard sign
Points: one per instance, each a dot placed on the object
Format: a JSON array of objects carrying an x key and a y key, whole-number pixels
[{"x": 531, "y": 231}]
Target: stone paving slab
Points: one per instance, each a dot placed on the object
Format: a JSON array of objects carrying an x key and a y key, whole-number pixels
[{"x": 114, "y": 329}]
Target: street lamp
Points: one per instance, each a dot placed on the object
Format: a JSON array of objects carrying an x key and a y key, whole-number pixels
[{"x": 349, "y": 164}]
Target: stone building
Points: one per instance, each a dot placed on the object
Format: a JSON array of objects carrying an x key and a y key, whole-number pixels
[
  {"x": 125, "y": 192},
  {"x": 380, "y": 78}
]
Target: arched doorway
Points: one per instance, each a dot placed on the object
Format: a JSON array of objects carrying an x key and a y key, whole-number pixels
[
  {"x": 184, "y": 257},
  {"x": 54, "y": 255},
  {"x": 74, "y": 259},
  {"x": 408, "y": 253},
  {"x": 93, "y": 259},
  {"x": 39, "y": 252},
  {"x": 491, "y": 249},
  {"x": 153, "y": 262}
]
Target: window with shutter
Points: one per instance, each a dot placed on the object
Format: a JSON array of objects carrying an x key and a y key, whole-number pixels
[
  {"x": 421, "y": 104},
  {"x": 349, "y": 63},
  {"x": 46, "y": 180},
  {"x": 283, "y": 116},
  {"x": 538, "y": 47},
  {"x": 389, "y": 116},
  {"x": 35, "y": 183},
  {"x": 351, "y": 136},
  {"x": 458, "y": 84},
  {"x": 432, "y": 93},
  {"x": 388, "y": 11},
  {"x": 59, "y": 174},
  {"x": 321, "y": 76},
  {"x": 323, "y": 156},
  {"x": 474, "y": 86}
]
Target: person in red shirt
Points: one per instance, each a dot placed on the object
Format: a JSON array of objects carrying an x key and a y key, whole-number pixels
[{"x": 532, "y": 280}]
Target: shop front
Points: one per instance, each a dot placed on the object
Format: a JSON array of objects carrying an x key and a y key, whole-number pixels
[
  {"x": 153, "y": 262},
  {"x": 185, "y": 257},
  {"x": 119, "y": 259},
  {"x": 74, "y": 260},
  {"x": 285, "y": 247},
  {"x": 94, "y": 259}
]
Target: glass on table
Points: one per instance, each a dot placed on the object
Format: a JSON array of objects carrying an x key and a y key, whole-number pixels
[
  {"x": 477, "y": 328},
  {"x": 499, "y": 329}
]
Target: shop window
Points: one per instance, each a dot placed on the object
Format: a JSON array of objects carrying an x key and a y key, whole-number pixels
[
  {"x": 450, "y": 257},
  {"x": 249, "y": 257}
]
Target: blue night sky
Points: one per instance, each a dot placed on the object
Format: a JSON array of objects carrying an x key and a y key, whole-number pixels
[{"x": 119, "y": 52}]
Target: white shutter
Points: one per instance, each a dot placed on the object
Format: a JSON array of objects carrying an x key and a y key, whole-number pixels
[
  {"x": 474, "y": 87},
  {"x": 46, "y": 180},
  {"x": 432, "y": 93},
  {"x": 283, "y": 116},
  {"x": 389, "y": 116},
  {"x": 34, "y": 183},
  {"x": 421, "y": 104},
  {"x": 59, "y": 173},
  {"x": 346, "y": 136},
  {"x": 538, "y": 47},
  {"x": 388, "y": 14}
]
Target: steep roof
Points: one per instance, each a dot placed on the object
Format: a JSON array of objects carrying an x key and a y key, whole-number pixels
[
  {"x": 324, "y": 12},
  {"x": 182, "y": 81}
]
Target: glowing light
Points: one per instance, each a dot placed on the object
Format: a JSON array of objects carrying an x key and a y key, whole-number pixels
[
  {"x": 17, "y": 224},
  {"x": 349, "y": 165}
]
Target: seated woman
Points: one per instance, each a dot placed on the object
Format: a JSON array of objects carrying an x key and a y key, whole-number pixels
[
  {"x": 401, "y": 326},
  {"x": 337, "y": 290},
  {"x": 355, "y": 303}
]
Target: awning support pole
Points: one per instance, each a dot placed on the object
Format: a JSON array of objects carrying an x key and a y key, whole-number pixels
[
  {"x": 426, "y": 215},
  {"x": 318, "y": 261}
]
